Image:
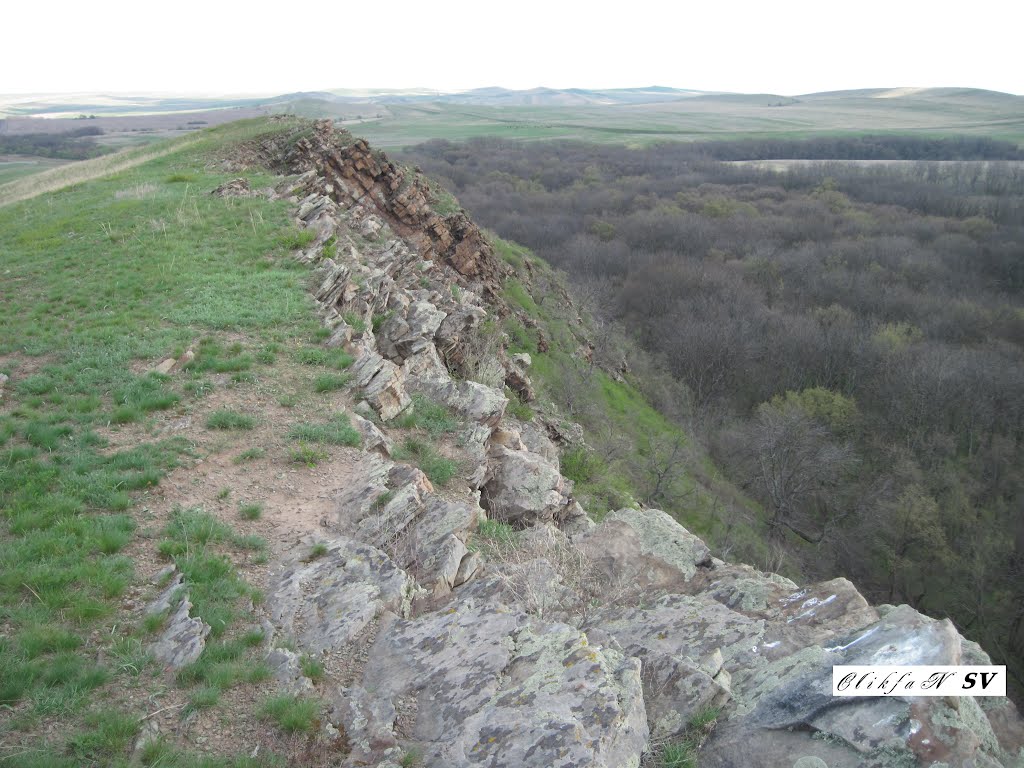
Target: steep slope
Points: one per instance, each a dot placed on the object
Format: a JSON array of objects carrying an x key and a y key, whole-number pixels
[
  {"x": 560, "y": 642},
  {"x": 433, "y": 593}
]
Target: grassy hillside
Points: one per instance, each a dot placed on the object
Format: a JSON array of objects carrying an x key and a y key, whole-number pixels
[
  {"x": 634, "y": 453},
  {"x": 134, "y": 263},
  {"x": 936, "y": 112},
  {"x": 101, "y": 281}
]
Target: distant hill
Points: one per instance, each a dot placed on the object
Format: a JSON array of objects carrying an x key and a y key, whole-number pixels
[{"x": 642, "y": 115}]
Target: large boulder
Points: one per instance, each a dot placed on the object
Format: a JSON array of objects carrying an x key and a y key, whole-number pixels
[
  {"x": 523, "y": 488},
  {"x": 646, "y": 547},
  {"x": 482, "y": 685},
  {"x": 325, "y": 599},
  {"x": 469, "y": 399}
]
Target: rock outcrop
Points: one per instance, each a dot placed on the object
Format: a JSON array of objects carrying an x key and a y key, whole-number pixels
[{"x": 565, "y": 643}]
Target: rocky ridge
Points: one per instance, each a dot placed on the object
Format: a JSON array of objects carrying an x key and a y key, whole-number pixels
[{"x": 569, "y": 643}]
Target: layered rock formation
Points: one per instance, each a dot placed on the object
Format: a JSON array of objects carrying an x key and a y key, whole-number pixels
[{"x": 569, "y": 643}]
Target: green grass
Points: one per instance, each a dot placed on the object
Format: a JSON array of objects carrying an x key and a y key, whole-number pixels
[
  {"x": 222, "y": 666},
  {"x": 516, "y": 407},
  {"x": 357, "y": 323},
  {"x": 292, "y": 713},
  {"x": 312, "y": 668},
  {"x": 326, "y": 358},
  {"x": 439, "y": 469},
  {"x": 495, "y": 531},
  {"x": 96, "y": 287},
  {"x": 108, "y": 734},
  {"x": 330, "y": 382},
  {"x": 433, "y": 418},
  {"x": 130, "y": 655},
  {"x": 318, "y": 550},
  {"x": 250, "y": 511},
  {"x": 336, "y": 431},
  {"x": 683, "y": 752},
  {"x": 580, "y": 465},
  {"x": 250, "y": 454},
  {"x": 307, "y": 455},
  {"x": 382, "y": 501},
  {"x": 192, "y": 539},
  {"x": 678, "y": 754},
  {"x": 161, "y": 754},
  {"x": 226, "y": 419}
]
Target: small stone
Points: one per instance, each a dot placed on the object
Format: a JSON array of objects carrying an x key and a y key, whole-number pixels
[
  {"x": 165, "y": 367},
  {"x": 184, "y": 639}
]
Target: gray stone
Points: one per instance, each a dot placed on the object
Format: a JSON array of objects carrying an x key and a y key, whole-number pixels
[
  {"x": 535, "y": 438},
  {"x": 165, "y": 366},
  {"x": 382, "y": 383},
  {"x": 287, "y": 669},
  {"x": 492, "y": 690},
  {"x": 523, "y": 488},
  {"x": 646, "y": 546},
  {"x": 182, "y": 640},
  {"x": 373, "y": 439},
  {"x": 323, "y": 603},
  {"x": 166, "y": 597}
]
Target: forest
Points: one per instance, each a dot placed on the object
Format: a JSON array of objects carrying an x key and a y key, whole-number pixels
[
  {"x": 845, "y": 340},
  {"x": 77, "y": 144}
]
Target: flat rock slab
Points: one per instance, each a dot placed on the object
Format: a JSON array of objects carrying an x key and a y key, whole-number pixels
[
  {"x": 647, "y": 547},
  {"x": 324, "y": 602},
  {"x": 491, "y": 688}
]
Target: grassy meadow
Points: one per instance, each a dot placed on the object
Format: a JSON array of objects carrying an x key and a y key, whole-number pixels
[
  {"x": 932, "y": 113},
  {"x": 101, "y": 280}
]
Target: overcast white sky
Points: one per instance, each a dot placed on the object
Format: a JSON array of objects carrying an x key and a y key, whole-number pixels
[{"x": 778, "y": 46}]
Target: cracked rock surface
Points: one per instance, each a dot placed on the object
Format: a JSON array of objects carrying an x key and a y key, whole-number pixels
[{"x": 571, "y": 644}]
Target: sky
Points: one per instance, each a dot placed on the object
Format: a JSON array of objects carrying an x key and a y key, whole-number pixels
[{"x": 768, "y": 46}]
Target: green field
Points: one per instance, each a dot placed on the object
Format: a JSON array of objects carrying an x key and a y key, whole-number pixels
[
  {"x": 12, "y": 168},
  {"x": 101, "y": 280},
  {"x": 933, "y": 113}
]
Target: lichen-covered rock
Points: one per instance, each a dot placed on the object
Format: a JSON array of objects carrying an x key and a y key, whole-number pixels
[
  {"x": 182, "y": 640},
  {"x": 469, "y": 399},
  {"x": 323, "y": 602},
  {"x": 368, "y": 722},
  {"x": 286, "y": 666},
  {"x": 781, "y": 695},
  {"x": 492, "y": 689},
  {"x": 646, "y": 546},
  {"x": 523, "y": 488}
]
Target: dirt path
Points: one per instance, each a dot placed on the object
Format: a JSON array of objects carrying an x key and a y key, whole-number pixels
[{"x": 85, "y": 170}]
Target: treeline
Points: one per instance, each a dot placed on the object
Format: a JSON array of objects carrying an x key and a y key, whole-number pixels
[
  {"x": 877, "y": 147},
  {"x": 852, "y": 342},
  {"x": 69, "y": 145}
]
